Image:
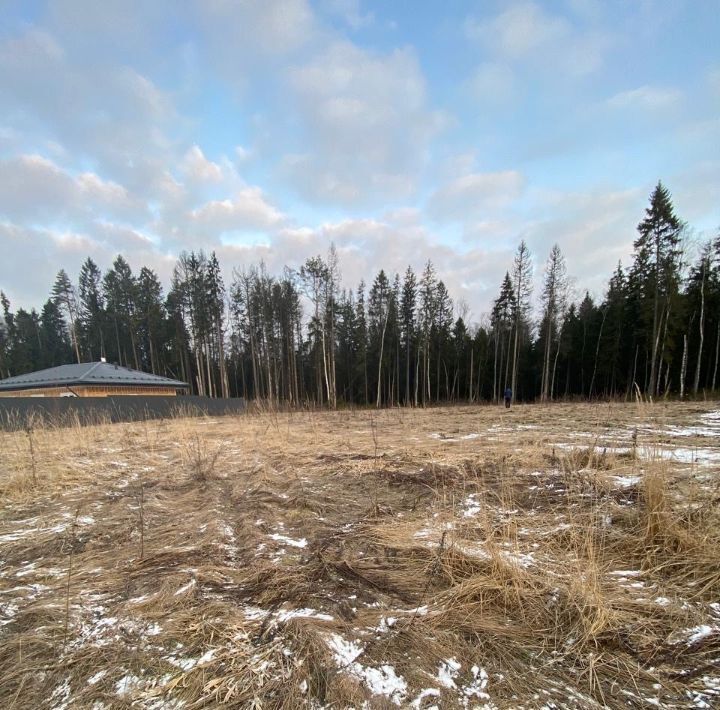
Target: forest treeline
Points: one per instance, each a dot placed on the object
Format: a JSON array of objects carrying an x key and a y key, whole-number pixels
[{"x": 300, "y": 337}]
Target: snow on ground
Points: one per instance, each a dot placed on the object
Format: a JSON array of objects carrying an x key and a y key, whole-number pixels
[
  {"x": 302, "y": 542},
  {"x": 382, "y": 680}
]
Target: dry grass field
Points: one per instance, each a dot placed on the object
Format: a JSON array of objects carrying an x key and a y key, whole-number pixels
[{"x": 563, "y": 556}]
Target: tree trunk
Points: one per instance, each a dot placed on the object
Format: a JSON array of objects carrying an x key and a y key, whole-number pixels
[
  {"x": 417, "y": 377},
  {"x": 696, "y": 383},
  {"x": 407, "y": 371},
  {"x": 656, "y": 329},
  {"x": 717, "y": 352},
  {"x": 495, "y": 378},
  {"x": 546, "y": 365},
  {"x": 382, "y": 348},
  {"x": 552, "y": 381},
  {"x": 597, "y": 350},
  {"x": 470, "y": 389},
  {"x": 683, "y": 369}
]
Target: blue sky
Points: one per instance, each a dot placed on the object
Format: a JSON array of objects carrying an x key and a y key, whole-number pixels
[{"x": 401, "y": 131}]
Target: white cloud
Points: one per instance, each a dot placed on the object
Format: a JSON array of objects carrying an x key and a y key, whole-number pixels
[
  {"x": 247, "y": 210},
  {"x": 650, "y": 98},
  {"x": 33, "y": 188},
  {"x": 521, "y": 29},
  {"x": 492, "y": 83},
  {"x": 366, "y": 121},
  {"x": 349, "y": 12},
  {"x": 527, "y": 33},
  {"x": 109, "y": 116},
  {"x": 32, "y": 257},
  {"x": 197, "y": 168},
  {"x": 240, "y": 34},
  {"x": 242, "y": 154},
  {"x": 475, "y": 194}
]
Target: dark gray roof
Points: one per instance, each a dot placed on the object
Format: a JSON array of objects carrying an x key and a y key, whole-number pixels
[{"x": 88, "y": 373}]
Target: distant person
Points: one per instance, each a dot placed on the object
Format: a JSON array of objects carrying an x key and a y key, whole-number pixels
[{"x": 508, "y": 397}]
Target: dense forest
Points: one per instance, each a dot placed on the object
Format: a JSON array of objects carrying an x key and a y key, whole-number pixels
[{"x": 299, "y": 337}]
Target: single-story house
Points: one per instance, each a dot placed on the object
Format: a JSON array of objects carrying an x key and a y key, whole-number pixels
[{"x": 89, "y": 379}]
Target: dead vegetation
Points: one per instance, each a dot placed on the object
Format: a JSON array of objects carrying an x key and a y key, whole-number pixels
[{"x": 559, "y": 557}]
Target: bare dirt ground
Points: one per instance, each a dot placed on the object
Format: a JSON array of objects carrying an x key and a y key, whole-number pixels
[{"x": 563, "y": 556}]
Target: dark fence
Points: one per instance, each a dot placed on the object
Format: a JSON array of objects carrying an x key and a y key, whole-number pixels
[{"x": 21, "y": 412}]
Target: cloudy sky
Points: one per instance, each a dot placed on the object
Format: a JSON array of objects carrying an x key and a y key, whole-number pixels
[{"x": 400, "y": 130}]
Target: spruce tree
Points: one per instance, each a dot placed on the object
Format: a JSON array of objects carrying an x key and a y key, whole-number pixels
[{"x": 658, "y": 253}]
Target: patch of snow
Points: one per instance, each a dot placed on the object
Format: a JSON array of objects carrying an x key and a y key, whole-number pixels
[
  {"x": 153, "y": 630},
  {"x": 92, "y": 680},
  {"x": 345, "y": 652},
  {"x": 186, "y": 587},
  {"x": 60, "y": 698},
  {"x": 698, "y": 456},
  {"x": 478, "y": 685},
  {"x": 207, "y": 656},
  {"x": 427, "y": 693},
  {"x": 127, "y": 685},
  {"x": 27, "y": 569},
  {"x": 254, "y": 613},
  {"x": 701, "y": 632},
  {"x": 383, "y": 681},
  {"x": 472, "y": 507},
  {"x": 26, "y": 532},
  {"x": 386, "y": 624},
  {"x": 289, "y": 541},
  {"x": 9, "y": 611},
  {"x": 447, "y": 672},
  {"x": 185, "y": 664},
  {"x": 626, "y": 573},
  {"x": 626, "y": 481},
  {"x": 303, "y": 614},
  {"x": 691, "y": 431}
]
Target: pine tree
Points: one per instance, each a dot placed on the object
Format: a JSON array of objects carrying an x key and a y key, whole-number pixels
[
  {"x": 91, "y": 316},
  {"x": 361, "y": 338},
  {"x": 657, "y": 258},
  {"x": 55, "y": 348},
  {"x": 6, "y": 337},
  {"x": 522, "y": 280},
  {"x": 379, "y": 309},
  {"x": 408, "y": 309},
  {"x": 554, "y": 298},
  {"x": 120, "y": 294},
  {"x": 64, "y": 295},
  {"x": 427, "y": 317},
  {"x": 151, "y": 317},
  {"x": 501, "y": 321}
]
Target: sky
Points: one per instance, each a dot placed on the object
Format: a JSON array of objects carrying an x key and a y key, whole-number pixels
[{"x": 400, "y": 131}]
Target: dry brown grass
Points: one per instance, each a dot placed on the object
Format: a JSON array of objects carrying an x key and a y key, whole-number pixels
[{"x": 469, "y": 556}]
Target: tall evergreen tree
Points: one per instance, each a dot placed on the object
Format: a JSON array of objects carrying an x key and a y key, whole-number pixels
[
  {"x": 91, "y": 315},
  {"x": 408, "y": 310},
  {"x": 55, "y": 348},
  {"x": 554, "y": 299},
  {"x": 501, "y": 321},
  {"x": 120, "y": 294},
  {"x": 64, "y": 295},
  {"x": 522, "y": 280},
  {"x": 657, "y": 265}
]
